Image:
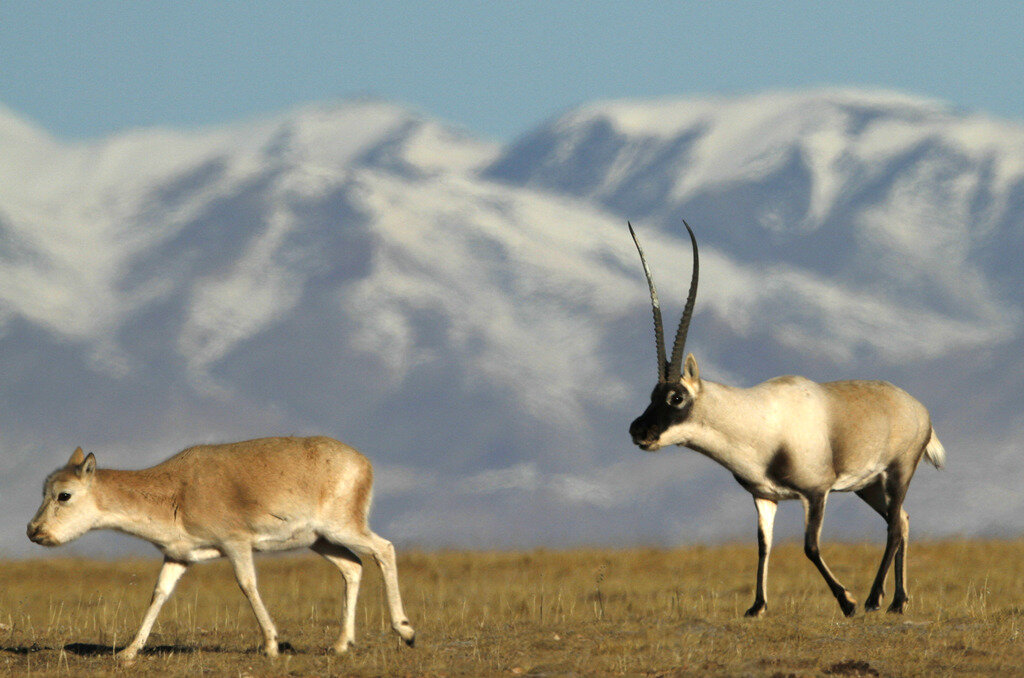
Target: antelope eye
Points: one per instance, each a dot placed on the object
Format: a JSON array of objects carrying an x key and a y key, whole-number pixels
[
  {"x": 675, "y": 400},
  {"x": 63, "y": 497}
]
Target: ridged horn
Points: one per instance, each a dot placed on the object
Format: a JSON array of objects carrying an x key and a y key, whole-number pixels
[
  {"x": 675, "y": 365},
  {"x": 659, "y": 329}
]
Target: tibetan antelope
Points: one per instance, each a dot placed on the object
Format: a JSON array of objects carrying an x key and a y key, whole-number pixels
[
  {"x": 209, "y": 501},
  {"x": 792, "y": 438}
]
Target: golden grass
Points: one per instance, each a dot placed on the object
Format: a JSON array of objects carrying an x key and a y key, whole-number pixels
[{"x": 620, "y": 612}]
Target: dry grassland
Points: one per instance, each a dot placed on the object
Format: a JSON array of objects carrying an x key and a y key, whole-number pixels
[{"x": 639, "y": 612}]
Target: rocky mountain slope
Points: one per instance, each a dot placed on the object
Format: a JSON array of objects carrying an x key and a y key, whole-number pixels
[{"x": 473, "y": 316}]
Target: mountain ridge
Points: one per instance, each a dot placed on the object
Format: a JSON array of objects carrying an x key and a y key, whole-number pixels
[{"x": 473, "y": 316}]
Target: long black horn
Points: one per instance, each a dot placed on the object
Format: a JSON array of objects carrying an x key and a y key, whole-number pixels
[
  {"x": 659, "y": 329},
  {"x": 675, "y": 366}
]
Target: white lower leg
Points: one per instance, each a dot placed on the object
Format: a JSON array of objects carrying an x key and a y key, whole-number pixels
[
  {"x": 348, "y": 633},
  {"x": 351, "y": 569},
  {"x": 384, "y": 553},
  {"x": 765, "y": 523},
  {"x": 245, "y": 573},
  {"x": 170, "y": 573}
]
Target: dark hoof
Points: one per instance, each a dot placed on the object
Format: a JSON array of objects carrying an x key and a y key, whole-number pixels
[
  {"x": 848, "y": 606},
  {"x": 404, "y": 629},
  {"x": 897, "y": 607},
  {"x": 874, "y": 600},
  {"x": 757, "y": 610}
]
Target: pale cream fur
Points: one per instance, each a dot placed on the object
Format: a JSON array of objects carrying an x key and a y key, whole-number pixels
[
  {"x": 838, "y": 435},
  {"x": 230, "y": 500},
  {"x": 792, "y": 438}
]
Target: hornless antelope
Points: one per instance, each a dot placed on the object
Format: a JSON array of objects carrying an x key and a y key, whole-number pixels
[
  {"x": 792, "y": 438},
  {"x": 209, "y": 501}
]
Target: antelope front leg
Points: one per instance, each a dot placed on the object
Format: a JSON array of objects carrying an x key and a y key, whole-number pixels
[
  {"x": 170, "y": 573},
  {"x": 765, "y": 522}
]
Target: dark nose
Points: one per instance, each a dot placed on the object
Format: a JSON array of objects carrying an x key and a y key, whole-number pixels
[
  {"x": 638, "y": 431},
  {"x": 634, "y": 428}
]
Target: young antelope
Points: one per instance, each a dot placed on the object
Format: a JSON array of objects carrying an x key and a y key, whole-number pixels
[{"x": 212, "y": 501}]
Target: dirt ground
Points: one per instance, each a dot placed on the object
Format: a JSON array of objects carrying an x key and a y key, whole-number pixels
[{"x": 643, "y": 612}]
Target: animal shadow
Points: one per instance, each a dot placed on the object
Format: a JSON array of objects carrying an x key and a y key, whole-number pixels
[
  {"x": 94, "y": 650},
  {"x": 24, "y": 649}
]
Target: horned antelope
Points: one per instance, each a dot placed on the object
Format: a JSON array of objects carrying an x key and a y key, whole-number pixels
[
  {"x": 212, "y": 501},
  {"x": 792, "y": 438}
]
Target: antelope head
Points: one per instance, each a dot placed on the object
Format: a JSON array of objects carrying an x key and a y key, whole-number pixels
[
  {"x": 69, "y": 508},
  {"x": 678, "y": 385}
]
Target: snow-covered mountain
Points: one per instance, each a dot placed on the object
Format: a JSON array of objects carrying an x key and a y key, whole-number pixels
[{"x": 474, "y": 318}]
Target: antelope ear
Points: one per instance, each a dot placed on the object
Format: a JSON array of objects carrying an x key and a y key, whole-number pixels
[
  {"x": 691, "y": 372},
  {"x": 77, "y": 457},
  {"x": 88, "y": 467}
]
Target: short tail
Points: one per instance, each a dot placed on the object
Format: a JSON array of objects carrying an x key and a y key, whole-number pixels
[{"x": 934, "y": 452}]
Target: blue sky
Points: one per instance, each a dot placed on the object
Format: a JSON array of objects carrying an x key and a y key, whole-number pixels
[{"x": 86, "y": 69}]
